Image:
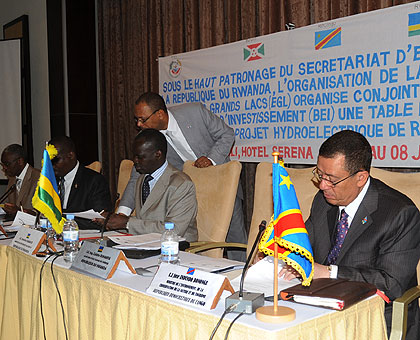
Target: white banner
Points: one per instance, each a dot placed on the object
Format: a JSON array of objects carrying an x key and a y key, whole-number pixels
[{"x": 291, "y": 90}]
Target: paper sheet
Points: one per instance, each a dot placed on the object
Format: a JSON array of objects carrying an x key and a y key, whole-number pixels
[
  {"x": 147, "y": 241},
  {"x": 260, "y": 278},
  {"x": 23, "y": 218},
  {"x": 89, "y": 214}
]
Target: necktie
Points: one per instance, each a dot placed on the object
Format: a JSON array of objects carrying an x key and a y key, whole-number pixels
[
  {"x": 145, "y": 191},
  {"x": 342, "y": 229},
  {"x": 61, "y": 190}
]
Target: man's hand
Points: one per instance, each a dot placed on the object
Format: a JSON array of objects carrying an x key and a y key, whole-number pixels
[
  {"x": 320, "y": 271},
  {"x": 10, "y": 208},
  {"x": 203, "y": 162},
  {"x": 115, "y": 222},
  {"x": 288, "y": 273}
]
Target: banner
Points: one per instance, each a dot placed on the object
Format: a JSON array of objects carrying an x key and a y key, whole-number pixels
[{"x": 289, "y": 91}]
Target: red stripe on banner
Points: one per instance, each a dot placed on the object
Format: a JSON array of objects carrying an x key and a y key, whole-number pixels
[{"x": 288, "y": 222}]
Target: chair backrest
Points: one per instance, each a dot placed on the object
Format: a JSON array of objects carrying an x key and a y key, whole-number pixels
[
  {"x": 124, "y": 173},
  {"x": 216, "y": 188},
  {"x": 96, "y": 166},
  {"x": 263, "y": 195}
]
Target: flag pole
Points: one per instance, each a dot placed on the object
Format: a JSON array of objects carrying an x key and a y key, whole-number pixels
[{"x": 275, "y": 313}]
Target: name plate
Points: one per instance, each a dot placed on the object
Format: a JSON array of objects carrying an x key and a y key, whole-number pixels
[
  {"x": 189, "y": 285},
  {"x": 100, "y": 261},
  {"x": 28, "y": 240}
]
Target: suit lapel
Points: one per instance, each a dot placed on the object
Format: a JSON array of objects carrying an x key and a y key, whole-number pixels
[
  {"x": 361, "y": 221},
  {"x": 74, "y": 186},
  {"x": 13, "y": 196},
  {"x": 26, "y": 185}
]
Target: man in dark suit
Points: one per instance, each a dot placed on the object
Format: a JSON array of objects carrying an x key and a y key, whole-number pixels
[
  {"x": 193, "y": 133},
  {"x": 361, "y": 229},
  {"x": 80, "y": 188},
  {"x": 170, "y": 193},
  {"x": 23, "y": 179}
]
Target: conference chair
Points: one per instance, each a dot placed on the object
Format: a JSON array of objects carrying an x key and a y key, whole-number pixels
[
  {"x": 407, "y": 183},
  {"x": 305, "y": 188},
  {"x": 216, "y": 188},
  {"x": 124, "y": 173},
  {"x": 96, "y": 166}
]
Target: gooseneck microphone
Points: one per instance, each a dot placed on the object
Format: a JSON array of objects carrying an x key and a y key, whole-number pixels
[
  {"x": 246, "y": 303},
  {"x": 7, "y": 193},
  {"x": 117, "y": 196},
  {"x": 261, "y": 228}
]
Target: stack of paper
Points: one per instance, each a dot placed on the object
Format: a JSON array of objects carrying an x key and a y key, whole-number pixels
[{"x": 146, "y": 241}]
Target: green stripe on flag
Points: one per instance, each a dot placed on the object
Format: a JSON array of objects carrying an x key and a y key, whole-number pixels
[{"x": 49, "y": 201}]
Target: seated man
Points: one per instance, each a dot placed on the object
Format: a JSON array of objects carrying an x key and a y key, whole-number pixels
[
  {"x": 361, "y": 229},
  {"x": 80, "y": 188},
  {"x": 22, "y": 177},
  {"x": 163, "y": 193}
]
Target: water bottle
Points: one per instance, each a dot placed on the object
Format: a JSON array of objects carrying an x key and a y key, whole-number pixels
[
  {"x": 169, "y": 243},
  {"x": 70, "y": 239}
]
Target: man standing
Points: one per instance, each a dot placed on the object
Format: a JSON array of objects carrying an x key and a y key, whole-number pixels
[
  {"x": 22, "y": 177},
  {"x": 80, "y": 188},
  {"x": 163, "y": 193},
  {"x": 361, "y": 229},
  {"x": 193, "y": 133}
]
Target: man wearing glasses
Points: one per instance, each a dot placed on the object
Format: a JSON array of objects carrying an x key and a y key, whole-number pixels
[
  {"x": 22, "y": 179},
  {"x": 193, "y": 133},
  {"x": 361, "y": 229}
]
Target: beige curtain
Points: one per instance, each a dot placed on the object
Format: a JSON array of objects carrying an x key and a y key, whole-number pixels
[{"x": 134, "y": 33}]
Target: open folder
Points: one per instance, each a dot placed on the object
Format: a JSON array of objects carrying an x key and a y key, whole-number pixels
[{"x": 330, "y": 293}]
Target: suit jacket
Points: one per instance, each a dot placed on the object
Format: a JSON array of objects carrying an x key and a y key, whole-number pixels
[
  {"x": 27, "y": 189},
  {"x": 206, "y": 134},
  {"x": 172, "y": 199},
  {"x": 89, "y": 190},
  {"x": 382, "y": 246}
]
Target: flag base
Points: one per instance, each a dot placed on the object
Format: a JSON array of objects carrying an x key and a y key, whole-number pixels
[{"x": 269, "y": 314}]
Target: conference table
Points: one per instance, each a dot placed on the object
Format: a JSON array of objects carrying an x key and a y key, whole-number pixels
[{"x": 119, "y": 308}]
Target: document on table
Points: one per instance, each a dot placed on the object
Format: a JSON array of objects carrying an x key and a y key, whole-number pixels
[
  {"x": 88, "y": 214},
  {"x": 210, "y": 264},
  {"x": 21, "y": 219},
  {"x": 260, "y": 278},
  {"x": 147, "y": 241}
]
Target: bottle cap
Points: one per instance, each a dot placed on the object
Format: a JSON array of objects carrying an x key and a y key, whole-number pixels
[
  {"x": 169, "y": 225},
  {"x": 70, "y": 216}
]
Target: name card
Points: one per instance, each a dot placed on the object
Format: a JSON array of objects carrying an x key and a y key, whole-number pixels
[
  {"x": 100, "y": 261},
  {"x": 28, "y": 240},
  {"x": 189, "y": 285}
]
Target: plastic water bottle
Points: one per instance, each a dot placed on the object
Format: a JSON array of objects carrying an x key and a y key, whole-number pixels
[
  {"x": 169, "y": 243},
  {"x": 70, "y": 239}
]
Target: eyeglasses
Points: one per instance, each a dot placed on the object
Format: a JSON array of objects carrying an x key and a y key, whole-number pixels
[
  {"x": 7, "y": 164},
  {"x": 320, "y": 177},
  {"x": 142, "y": 121}
]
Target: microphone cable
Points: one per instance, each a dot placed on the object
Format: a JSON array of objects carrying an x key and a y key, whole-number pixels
[
  {"x": 58, "y": 292},
  {"x": 227, "y": 311},
  {"x": 231, "y": 324},
  {"x": 40, "y": 293}
]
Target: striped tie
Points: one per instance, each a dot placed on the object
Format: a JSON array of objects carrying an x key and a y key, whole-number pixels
[{"x": 341, "y": 232}]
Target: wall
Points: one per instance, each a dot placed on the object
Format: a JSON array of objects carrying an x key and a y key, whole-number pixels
[{"x": 37, "y": 13}]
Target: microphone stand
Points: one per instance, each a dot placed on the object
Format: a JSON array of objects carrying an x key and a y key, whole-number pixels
[
  {"x": 261, "y": 228},
  {"x": 103, "y": 228},
  {"x": 247, "y": 303},
  {"x": 7, "y": 193}
]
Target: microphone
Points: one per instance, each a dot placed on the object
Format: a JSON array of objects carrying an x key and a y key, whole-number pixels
[
  {"x": 117, "y": 196},
  {"x": 7, "y": 193},
  {"x": 261, "y": 228},
  {"x": 251, "y": 301}
]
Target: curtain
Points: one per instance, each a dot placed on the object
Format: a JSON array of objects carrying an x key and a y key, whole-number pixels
[{"x": 134, "y": 33}]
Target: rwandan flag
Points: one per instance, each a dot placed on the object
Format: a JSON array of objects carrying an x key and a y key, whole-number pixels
[
  {"x": 328, "y": 38},
  {"x": 287, "y": 228},
  {"x": 46, "y": 198},
  {"x": 414, "y": 24}
]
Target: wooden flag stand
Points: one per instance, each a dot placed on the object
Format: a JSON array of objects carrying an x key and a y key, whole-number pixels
[{"x": 275, "y": 313}]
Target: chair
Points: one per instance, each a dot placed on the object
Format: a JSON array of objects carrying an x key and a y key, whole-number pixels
[
  {"x": 95, "y": 166},
  {"x": 124, "y": 174},
  {"x": 263, "y": 195},
  {"x": 216, "y": 188}
]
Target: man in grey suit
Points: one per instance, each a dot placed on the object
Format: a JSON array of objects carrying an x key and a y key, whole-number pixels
[
  {"x": 163, "y": 193},
  {"x": 192, "y": 133},
  {"x": 22, "y": 177},
  {"x": 361, "y": 229}
]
